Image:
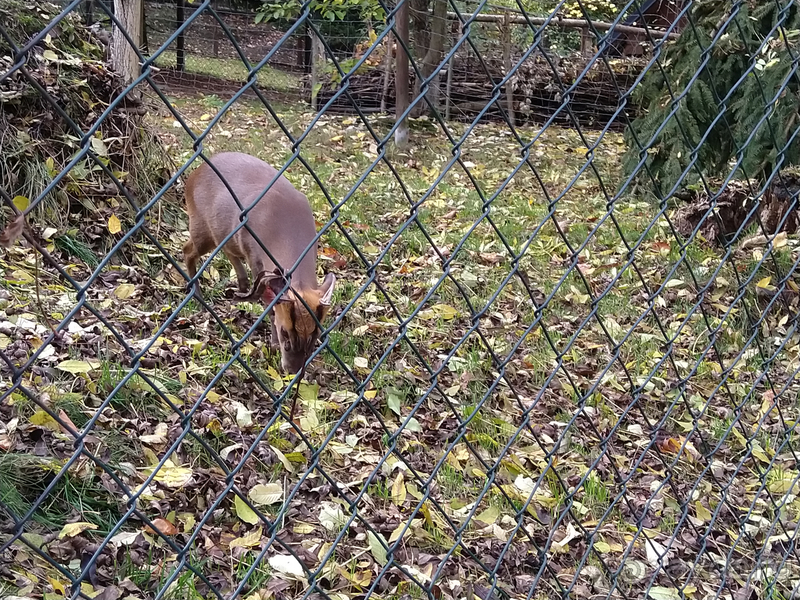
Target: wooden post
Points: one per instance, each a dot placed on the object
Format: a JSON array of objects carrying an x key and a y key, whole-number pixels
[
  {"x": 587, "y": 44},
  {"x": 308, "y": 49},
  {"x": 507, "y": 64},
  {"x": 448, "y": 88},
  {"x": 215, "y": 39},
  {"x": 387, "y": 70},
  {"x": 401, "y": 78},
  {"x": 88, "y": 14},
  {"x": 317, "y": 54},
  {"x": 450, "y": 67},
  {"x": 180, "y": 48}
]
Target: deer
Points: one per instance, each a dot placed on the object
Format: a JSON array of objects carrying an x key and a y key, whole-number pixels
[{"x": 282, "y": 219}]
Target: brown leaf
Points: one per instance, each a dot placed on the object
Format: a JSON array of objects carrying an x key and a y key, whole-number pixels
[
  {"x": 13, "y": 231},
  {"x": 163, "y": 526},
  {"x": 670, "y": 445}
]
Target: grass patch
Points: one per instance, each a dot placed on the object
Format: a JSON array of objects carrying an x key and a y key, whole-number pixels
[{"x": 232, "y": 69}]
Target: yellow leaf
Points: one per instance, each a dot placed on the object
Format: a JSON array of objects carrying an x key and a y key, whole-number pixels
[
  {"x": 244, "y": 512},
  {"x": 73, "y": 529},
  {"x": 401, "y": 528},
  {"x": 398, "y": 490},
  {"x": 42, "y": 419},
  {"x": 188, "y": 521},
  {"x": 58, "y": 587},
  {"x": 172, "y": 475},
  {"x": 21, "y": 202},
  {"x": 303, "y": 528},
  {"x": 247, "y": 541},
  {"x": 284, "y": 461},
  {"x": 489, "y": 516},
  {"x": 20, "y": 276},
  {"x": 124, "y": 290},
  {"x": 601, "y": 547},
  {"x": 701, "y": 512},
  {"x": 78, "y": 366},
  {"x": 114, "y": 226},
  {"x": 764, "y": 282},
  {"x": 445, "y": 311}
]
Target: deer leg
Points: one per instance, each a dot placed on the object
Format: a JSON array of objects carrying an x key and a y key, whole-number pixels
[
  {"x": 241, "y": 273},
  {"x": 190, "y": 258},
  {"x": 273, "y": 331}
]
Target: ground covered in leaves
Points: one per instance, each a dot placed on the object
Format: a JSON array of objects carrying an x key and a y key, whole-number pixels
[{"x": 617, "y": 419}]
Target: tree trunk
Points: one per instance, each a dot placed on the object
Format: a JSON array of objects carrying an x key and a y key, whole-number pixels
[
  {"x": 142, "y": 29},
  {"x": 123, "y": 55},
  {"x": 433, "y": 55},
  {"x": 401, "y": 78}
]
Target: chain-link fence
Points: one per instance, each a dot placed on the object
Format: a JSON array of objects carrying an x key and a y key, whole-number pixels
[{"x": 558, "y": 357}]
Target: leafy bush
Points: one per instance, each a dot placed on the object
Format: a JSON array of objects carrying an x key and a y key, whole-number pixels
[{"x": 750, "y": 79}]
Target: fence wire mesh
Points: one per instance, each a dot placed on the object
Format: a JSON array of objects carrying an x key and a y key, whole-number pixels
[{"x": 560, "y": 360}]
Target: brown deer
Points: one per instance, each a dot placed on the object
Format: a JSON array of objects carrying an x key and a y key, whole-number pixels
[{"x": 283, "y": 221}]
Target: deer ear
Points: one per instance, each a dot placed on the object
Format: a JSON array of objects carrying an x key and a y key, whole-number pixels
[
  {"x": 327, "y": 289},
  {"x": 273, "y": 286},
  {"x": 266, "y": 286}
]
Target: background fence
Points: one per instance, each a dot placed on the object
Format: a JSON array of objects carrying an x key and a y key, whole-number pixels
[{"x": 562, "y": 358}]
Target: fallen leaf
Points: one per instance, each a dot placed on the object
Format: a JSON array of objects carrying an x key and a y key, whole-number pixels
[
  {"x": 21, "y": 202},
  {"x": 284, "y": 461},
  {"x": 663, "y": 593},
  {"x": 489, "y": 516},
  {"x": 413, "y": 425},
  {"x": 656, "y": 554},
  {"x": 670, "y": 445},
  {"x": 287, "y": 564},
  {"x": 163, "y": 526},
  {"x": 72, "y": 529},
  {"x": 269, "y": 493},
  {"x": 247, "y": 541},
  {"x": 377, "y": 548},
  {"x": 399, "y": 490},
  {"x": 701, "y": 512},
  {"x": 43, "y": 419},
  {"x": 124, "y": 290},
  {"x": 331, "y": 516},
  {"x": 244, "y": 512},
  {"x": 13, "y": 231},
  {"x": 244, "y": 416},
  {"x": 563, "y": 544},
  {"x": 78, "y": 366},
  {"x": 114, "y": 226},
  {"x": 171, "y": 475},
  {"x": 125, "y": 538},
  {"x": 158, "y": 437}
]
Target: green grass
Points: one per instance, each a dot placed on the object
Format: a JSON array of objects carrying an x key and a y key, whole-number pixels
[
  {"x": 23, "y": 477},
  {"x": 232, "y": 69},
  {"x": 594, "y": 321}
]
